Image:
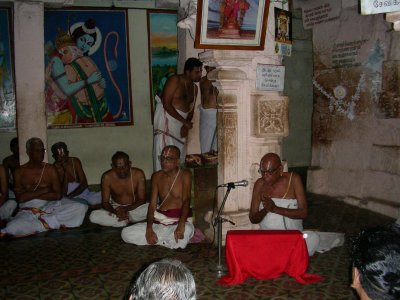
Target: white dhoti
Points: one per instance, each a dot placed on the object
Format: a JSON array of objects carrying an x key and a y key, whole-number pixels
[
  {"x": 316, "y": 241},
  {"x": 105, "y": 218},
  {"x": 167, "y": 131},
  {"x": 39, "y": 215},
  {"x": 208, "y": 126},
  {"x": 93, "y": 198},
  {"x": 7, "y": 209},
  {"x": 136, "y": 234}
]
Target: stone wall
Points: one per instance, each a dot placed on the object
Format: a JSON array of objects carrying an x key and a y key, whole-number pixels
[{"x": 356, "y": 126}]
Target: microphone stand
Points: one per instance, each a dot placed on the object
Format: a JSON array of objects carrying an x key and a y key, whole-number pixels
[{"x": 221, "y": 269}]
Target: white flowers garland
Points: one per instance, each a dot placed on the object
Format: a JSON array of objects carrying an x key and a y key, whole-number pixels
[{"x": 339, "y": 105}]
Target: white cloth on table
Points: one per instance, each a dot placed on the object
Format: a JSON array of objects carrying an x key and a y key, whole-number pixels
[
  {"x": 105, "y": 218},
  {"x": 93, "y": 198},
  {"x": 167, "y": 131},
  {"x": 7, "y": 209},
  {"x": 316, "y": 241},
  {"x": 40, "y": 215},
  {"x": 136, "y": 234},
  {"x": 208, "y": 126}
]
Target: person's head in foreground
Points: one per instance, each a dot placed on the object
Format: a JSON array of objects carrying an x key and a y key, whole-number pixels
[
  {"x": 167, "y": 279},
  {"x": 376, "y": 263}
]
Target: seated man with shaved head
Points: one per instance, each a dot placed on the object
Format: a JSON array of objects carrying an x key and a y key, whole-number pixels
[
  {"x": 38, "y": 191},
  {"x": 279, "y": 201}
]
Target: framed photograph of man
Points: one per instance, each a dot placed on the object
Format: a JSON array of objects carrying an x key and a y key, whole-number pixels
[
  {"x": 231, "y": 24},
  {"x": 87, "y": 68},
  {"x": 7, "y": 86}
]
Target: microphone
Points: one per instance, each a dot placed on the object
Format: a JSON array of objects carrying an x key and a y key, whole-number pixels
[{"x": 243, "y": 182}]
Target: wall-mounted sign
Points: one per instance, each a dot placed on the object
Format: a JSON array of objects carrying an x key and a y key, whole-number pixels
[
  {"x": 270, "y": 77},
  {"x": 319, "y": 12},
  {"x": 369, "y": 7}
]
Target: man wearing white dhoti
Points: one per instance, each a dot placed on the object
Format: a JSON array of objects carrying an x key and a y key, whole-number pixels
[
  {"x": 167, "y": 223},
  {"x": 208, "y": 113},
  {"x": 72, "y": 177},
  {"x": 123, "y": 194},
  {"x": 279, "y": 202},
  {"x": 174, "y": 110},
  {"x": 38, "y": 190}
]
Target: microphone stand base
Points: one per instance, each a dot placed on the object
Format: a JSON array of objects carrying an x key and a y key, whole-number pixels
[{"x": 221, "y": 270}]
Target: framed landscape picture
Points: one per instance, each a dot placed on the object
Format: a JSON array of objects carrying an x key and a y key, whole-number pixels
[
  {"x": 87, "y": 68},
  {"x": 231, "y": 24},
  {"x": 163, "y": 50}
]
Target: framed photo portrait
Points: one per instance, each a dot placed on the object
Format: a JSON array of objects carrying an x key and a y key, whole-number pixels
[
  {"x": 163, "y": 50},
  {"x": 87, "y": 68},
  {"x": 7, "y": 86},
  {"x": 231, "y": 24}
]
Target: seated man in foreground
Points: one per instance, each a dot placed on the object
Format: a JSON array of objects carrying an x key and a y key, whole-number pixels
[
  {"x": 72, "y": 177},
  {"x": 279, "y": 202},
  {"x": 123, "y": 194},
  {"x": 38, "y": 190},
  {"x": 167, "y": 223}
]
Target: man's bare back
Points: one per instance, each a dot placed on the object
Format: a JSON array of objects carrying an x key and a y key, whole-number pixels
[{"x": 209, "y": 92}]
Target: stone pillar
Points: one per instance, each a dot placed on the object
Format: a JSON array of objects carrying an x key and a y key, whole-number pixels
[
  {"x": 29, "y": 73},
  {"x": 250, "y": 124}
]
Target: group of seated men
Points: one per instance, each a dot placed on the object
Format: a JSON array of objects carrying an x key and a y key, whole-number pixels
[
  {"x": 56, "y": 195},
  {"x": 53, "y": 196}
]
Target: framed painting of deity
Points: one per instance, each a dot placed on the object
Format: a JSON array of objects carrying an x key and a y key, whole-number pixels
[
  {"x": 7, "y": 85},
  {"x": 87, "y": 68},
  {"x": 163, "y": 50},
  {"x": 231, "y": 24}
]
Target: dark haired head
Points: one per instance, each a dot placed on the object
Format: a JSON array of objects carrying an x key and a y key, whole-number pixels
[
  {"x": 89, "y": 28},
  {"x": 120, "y": 154},
  {"x": 192, "y": 63},
  {"x": 376, "y": 256},
  {"x": 14, "y": 145},
  {"x": 59, "y": 145}
]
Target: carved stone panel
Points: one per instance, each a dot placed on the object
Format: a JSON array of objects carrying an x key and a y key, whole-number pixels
[
  {"x": 269, "y": 116},
  {"x": 228, "y": 146}
]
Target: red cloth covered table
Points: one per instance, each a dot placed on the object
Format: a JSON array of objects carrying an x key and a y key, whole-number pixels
[{"x": 266, "y": 254}]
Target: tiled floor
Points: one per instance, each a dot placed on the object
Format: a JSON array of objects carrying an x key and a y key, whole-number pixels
[{"x": 93, "y": 262}]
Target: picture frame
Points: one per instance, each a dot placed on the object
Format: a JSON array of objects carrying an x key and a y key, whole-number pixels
[
  {"x": 231, "y": 24},
  {"x": 87, "y": 68},
  {"x": 163, "y": 50},
  {"x": 7, "y": 84}
]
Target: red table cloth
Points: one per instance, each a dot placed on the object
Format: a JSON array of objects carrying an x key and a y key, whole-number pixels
[{"x": 266, "y": 254}]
